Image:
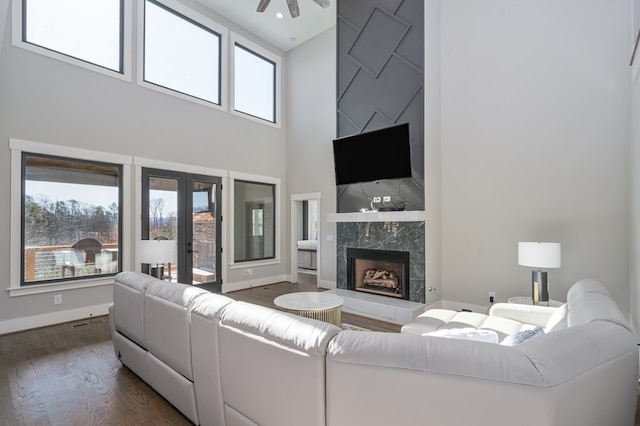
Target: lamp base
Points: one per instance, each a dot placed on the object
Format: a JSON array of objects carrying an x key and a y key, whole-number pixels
[
  {"x": 157, "y": 271},
  {"x": 539, "y": 287}
]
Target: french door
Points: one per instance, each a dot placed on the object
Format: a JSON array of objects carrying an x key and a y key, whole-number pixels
[{"x": 185, "y": 207}]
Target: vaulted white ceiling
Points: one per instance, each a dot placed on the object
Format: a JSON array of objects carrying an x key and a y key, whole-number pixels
[{"x": 284, "y": 33}]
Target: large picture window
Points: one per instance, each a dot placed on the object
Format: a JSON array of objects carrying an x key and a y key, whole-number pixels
[
  {"x": 89, "y": 31},
  {"x": 71, "y": 219},
  {"x": 180, "y": 53}
]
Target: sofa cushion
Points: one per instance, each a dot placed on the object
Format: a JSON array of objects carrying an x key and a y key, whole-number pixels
[
  {"x": 470, "y": 333},
  {"x": 443, "y": 319},
  {"x": 167, "y": 314},
  {"x": 435, "y": 319},
  {"x": 272, "y": 365},
  {"x": 128, "y": 304},
  {"x": 558, "y": 319},
  {"x": 205, "y": 319},
  {"x": 589, "y": 300}
]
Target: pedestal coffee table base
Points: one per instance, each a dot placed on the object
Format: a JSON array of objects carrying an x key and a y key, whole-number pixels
[{"x": 320, "y": 306}]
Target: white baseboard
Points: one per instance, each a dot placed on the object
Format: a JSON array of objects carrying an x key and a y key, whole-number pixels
[
  {"x": 326, "y": 284},
  {"x": 42, "y": 320},
  {"x": 243, "y": 285}
]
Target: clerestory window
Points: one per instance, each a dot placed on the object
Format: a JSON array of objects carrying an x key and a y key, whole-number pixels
[
  {"x": 181, "y": 53},
  {"x": 255, "y": 83},
  {"x": 91, "y": 32}
]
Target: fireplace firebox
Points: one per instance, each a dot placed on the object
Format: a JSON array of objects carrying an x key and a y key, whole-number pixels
[{"x": 382, "y": 272}]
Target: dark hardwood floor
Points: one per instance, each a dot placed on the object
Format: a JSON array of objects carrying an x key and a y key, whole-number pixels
[{"x": 68, "y": 374}]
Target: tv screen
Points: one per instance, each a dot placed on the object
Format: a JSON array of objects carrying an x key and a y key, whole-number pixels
[{"x": 377, "y": 155}]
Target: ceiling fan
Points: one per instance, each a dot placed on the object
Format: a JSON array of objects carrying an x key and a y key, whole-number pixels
[{"x": 293, "y": 6}]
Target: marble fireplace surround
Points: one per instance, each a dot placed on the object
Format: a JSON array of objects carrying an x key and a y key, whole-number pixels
[
  {"x": 397, "y": 231},
  {"x": 395, "y": 236}
]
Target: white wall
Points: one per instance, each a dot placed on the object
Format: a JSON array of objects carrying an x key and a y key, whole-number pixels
[
  {"x": 634, "y": 250},
  {"x": 535, "y": 146},
  {"x": 311, "y": 126},
  {"x": 48, "y": 101},
  {"x": 433, "y": 151}
]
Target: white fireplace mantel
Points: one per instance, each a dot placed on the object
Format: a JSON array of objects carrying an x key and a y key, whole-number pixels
[{"x": 373, "y": 216}]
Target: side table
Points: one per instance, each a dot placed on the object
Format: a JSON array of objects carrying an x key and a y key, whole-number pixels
[{"x": 524, "y": 300}]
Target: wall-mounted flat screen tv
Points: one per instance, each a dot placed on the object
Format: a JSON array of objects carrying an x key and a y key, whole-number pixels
[{"x": 371, "y": 156}]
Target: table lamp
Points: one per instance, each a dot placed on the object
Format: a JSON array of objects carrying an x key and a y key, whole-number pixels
[
  {"x": 539, "y": 255},
  {"x": 157, "y": 252}
]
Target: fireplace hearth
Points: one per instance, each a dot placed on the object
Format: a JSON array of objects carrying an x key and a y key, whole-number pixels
[{"x": 382, "y": 272}]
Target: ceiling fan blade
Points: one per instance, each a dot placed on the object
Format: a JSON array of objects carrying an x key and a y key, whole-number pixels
[
  {"x": 293, "y": 8},
  {"x": 263, "y": 5},
  {"x": 323, "y": 3}
]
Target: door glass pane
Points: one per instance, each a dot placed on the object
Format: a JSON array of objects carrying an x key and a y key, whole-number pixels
[
  {"x": 163, "y": 216},
  {"x": 204, "y": 232}
]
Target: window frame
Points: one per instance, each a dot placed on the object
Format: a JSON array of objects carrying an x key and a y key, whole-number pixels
[
  {"x": 17, "y": 32},
  {"x": 276, "y": 182},
  {"x": 199, "y": 20},
  {"x": 251, "y": 47},
  {"x": 18, "y": 148}
]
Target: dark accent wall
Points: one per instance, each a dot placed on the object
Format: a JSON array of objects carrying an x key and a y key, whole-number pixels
[{"x": 380, "y": 84}]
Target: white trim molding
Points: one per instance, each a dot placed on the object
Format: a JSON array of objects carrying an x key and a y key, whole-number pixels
[
  {"x": 35, "y": 321},
  {"x": 243, "y": 285}
]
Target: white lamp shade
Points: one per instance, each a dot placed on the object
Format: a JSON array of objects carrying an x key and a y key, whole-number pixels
[
  {"x": 158, "y": 251},
  {"x": 539, "y": 255}
]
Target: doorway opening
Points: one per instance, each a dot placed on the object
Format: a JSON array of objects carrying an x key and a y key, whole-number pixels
[{"x": 305, "y": 243}]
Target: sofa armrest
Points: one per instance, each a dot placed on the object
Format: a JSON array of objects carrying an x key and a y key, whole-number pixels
[{"x": 528, "y": 314}]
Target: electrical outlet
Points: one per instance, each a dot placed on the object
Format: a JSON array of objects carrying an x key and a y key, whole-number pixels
[
  {"x": 386, "y": 198},
  {"x": 492, "y": 296},
  {"x": 376, "y": 199},
  {"x": 248, "y": 272},
  {"x": 57, "y": 299}
]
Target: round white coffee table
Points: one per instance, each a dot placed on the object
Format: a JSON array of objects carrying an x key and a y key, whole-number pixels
[{"x": 321, "y": 306}]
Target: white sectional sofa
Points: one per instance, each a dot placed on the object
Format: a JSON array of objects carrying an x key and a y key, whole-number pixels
[{"x": 230, "y": 363}]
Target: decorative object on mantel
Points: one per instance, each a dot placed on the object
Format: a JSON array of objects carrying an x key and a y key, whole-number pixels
[
  {"x": 294, "y": 10},
  {"x": 158, "y": 252},
  {"x": 539, "y": 255}
]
